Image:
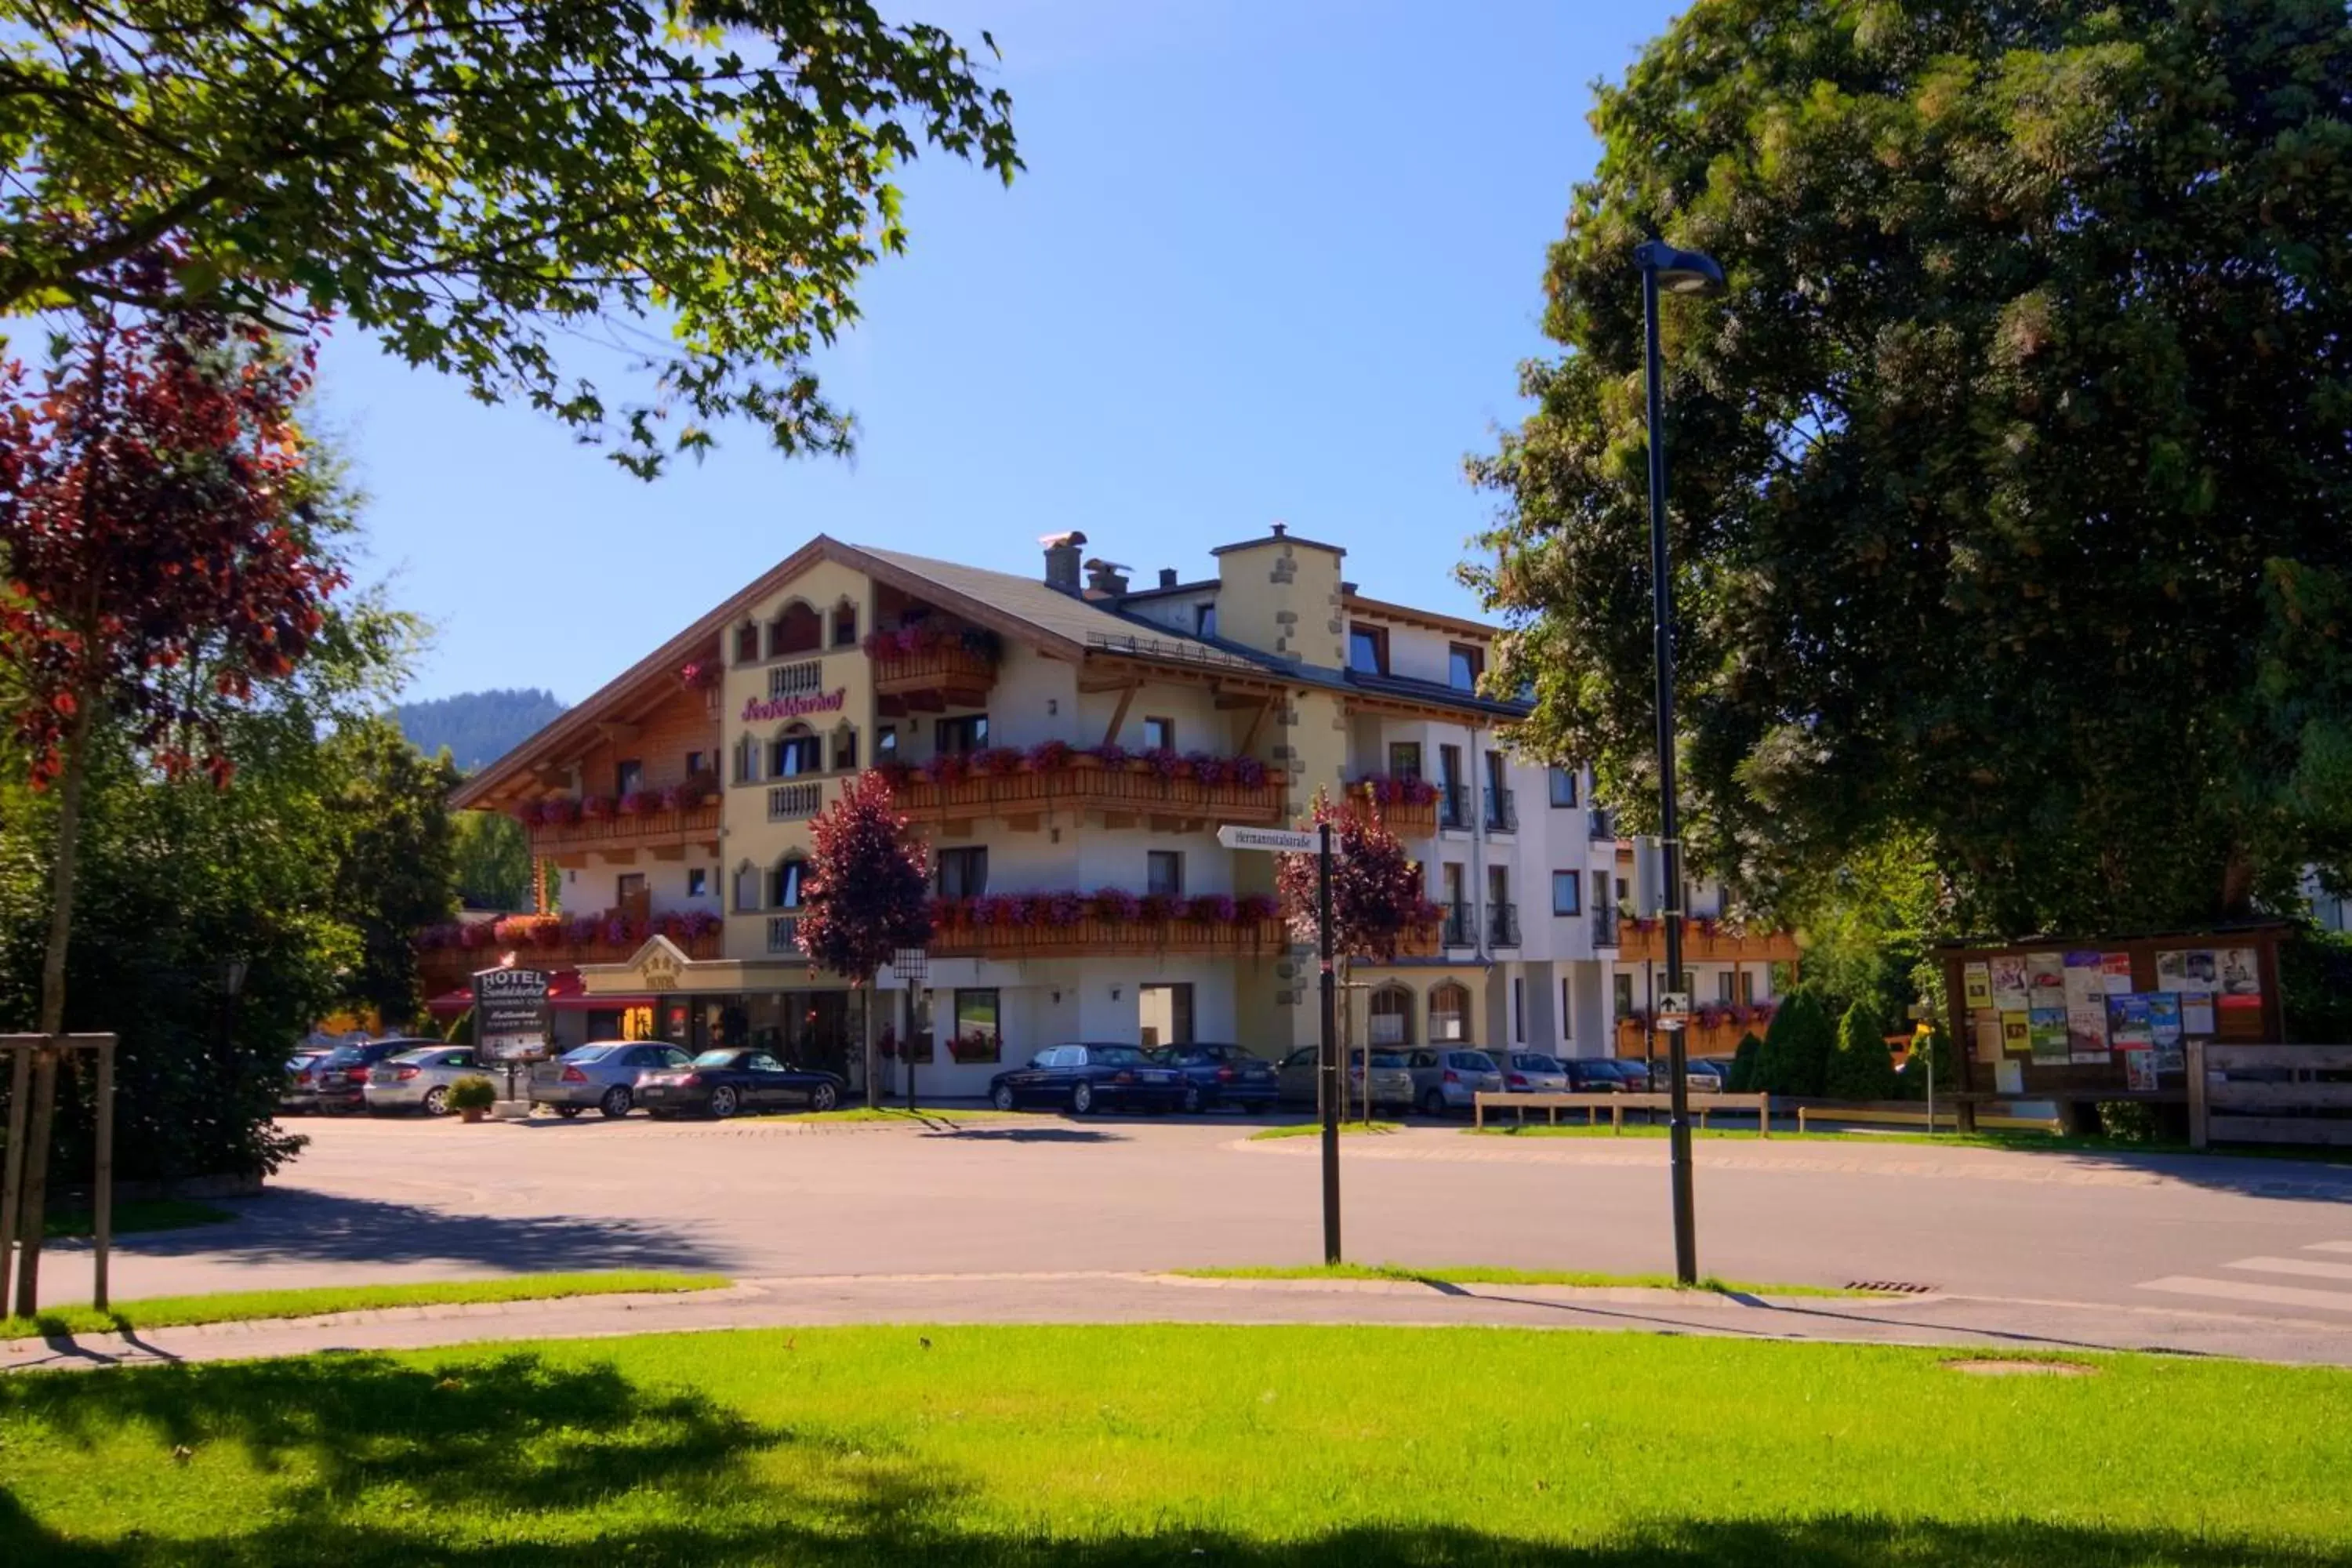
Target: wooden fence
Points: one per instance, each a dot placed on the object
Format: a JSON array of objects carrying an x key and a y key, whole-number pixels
[{"x": 2270, "y": 1094}]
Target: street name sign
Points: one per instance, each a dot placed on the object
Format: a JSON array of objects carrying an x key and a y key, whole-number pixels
[{"x": 1279, "y": 841}]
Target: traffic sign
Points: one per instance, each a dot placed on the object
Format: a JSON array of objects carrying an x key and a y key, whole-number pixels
[
  {"x": 1672, "y": 1002},
  {"x": 1279, "y": 841}
]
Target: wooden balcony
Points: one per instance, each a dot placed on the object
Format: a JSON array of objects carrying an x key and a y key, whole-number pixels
[
  {"x": 1124, "y": 796},
  {"x": 1402, "y": 818},
  {"x": 1647, "y": 940},
  {"x": 1705, "y": 1039},
  {"x": 448, "y": 968},
  {"x": 618, "y": 840},
  {"x": 934, "y": 679},
  {"x": 1123, "y": 939}
]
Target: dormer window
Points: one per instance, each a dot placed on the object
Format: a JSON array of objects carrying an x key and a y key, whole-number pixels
[{"x": 1368, "y": 649}]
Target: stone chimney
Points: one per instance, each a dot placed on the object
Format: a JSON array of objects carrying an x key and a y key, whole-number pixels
[
  {"x": 1104, "y": 579},
  {"x": 1168, "y": 576},
  {"x": 1281, "y": 594},
  {"x": 1062, "y": 551}
]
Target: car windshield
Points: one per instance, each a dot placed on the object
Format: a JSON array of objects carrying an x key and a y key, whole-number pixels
[
  {"x": 1387, "y": 1059},
  {"x": 1535, "y": 1064},
  {"x": 715, "y": 1060},
  {"x": 420, "y": 1054},
  {"x": 1114, "y": 1056},
  {"x": 589, "y": 1053},
  {"x": 344, "y": 1057},
  {"x": 1475, "y": 1061}
]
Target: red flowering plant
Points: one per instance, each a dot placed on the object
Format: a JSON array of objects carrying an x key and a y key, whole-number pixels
[
  {"x": 1049, "y": 756},
  {"x": 1110, "y": 755},
  {"x": 1157, "y": 908},
  {"x": 559, "y": 812},
  {"x": 945, "y": 767},
  {"x": 1248, "y": 772},
  {"x": 1063, "y": 909},
  {"x": 527, "y": 813},
  {"x": 1376, "y": 897},
  {"x": 1408, "y": 789},
  {"x": 1114, "y": 906},
  {"x": 679, "y": 797},
  {"x": 1210, "y": 909},
  {"x": 702, "y": 675},
  {"x": 997, "y": 761},
  {"x": 950, "y": 913},
  {"x": 596, "y": 808},
  {"x": 897, "y": 774},
  {"x": 1209, "y": 769},
  {"x": 640, "y": 803},
  {"x": 1252, "y": 909},
  {"x": 868, "y": 890},
  {"x": 1164, "y": 762}
]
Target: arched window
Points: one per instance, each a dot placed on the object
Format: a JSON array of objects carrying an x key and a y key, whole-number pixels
[
  {"x": 1449, "y": 1013},
  {"x": 844, "y": 748},
  {"x": 1392, "y": 1016},
  {"x": 796, "y": 629},
  {"x": 747, "y": 888},
  {"x": 747, "y": 643},
  {"x": 795, "y": 752},
  {"x": 845, "y": 625},
  {"x": 786, "y": 883}
]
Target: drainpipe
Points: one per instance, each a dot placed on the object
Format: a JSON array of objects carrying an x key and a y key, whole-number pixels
[{"x": 1477, "y": 787}]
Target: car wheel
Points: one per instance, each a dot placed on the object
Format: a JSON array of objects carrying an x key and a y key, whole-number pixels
[
  {"x": 1193, "y": 1102},
  {"x": 1082, "y": 1099},
  {"x": 613, "y": 1106},
  {"x": 437, "y": 1102},
  {"x": 724, "y": 1101},
  {"x": 1434, "y": 1103},
  {"x": 824, "y": 1097},
  {"x": 1002, "y": 1097}
]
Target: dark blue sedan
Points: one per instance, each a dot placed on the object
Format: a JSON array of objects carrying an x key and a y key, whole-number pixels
[
  {"x": 1218, "y": 1075},
  {"x": 723, "y": 1082},
  {"x": 1089, "y": 1078}
]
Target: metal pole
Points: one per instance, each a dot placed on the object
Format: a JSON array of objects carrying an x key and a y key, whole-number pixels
[
  {"x": 906, "y": 1045},
  {"x": 101, "y": 1197},
  {"x": 12, "y": 1184},
  {"x": 1333, "y": 1086},
  {"x": 1669, "y": 833}
]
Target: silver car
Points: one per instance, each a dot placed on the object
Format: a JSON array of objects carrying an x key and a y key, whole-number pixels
[
  {"x": 1533, "y": 1072},
  {"x": 603, "y": 1073},
  {"x": 1445, "y": 1078},
  {"x": 1391, "y": 1084},
  {"x": 419, "y": 1080}
]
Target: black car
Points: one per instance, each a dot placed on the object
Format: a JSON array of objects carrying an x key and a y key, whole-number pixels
[
  {"x": 1588, "y": 1075},
  {"x": 723, "y": 1082},
  {"x": 339, "y": 1078},
  {"x": 1090, "y": 1077},
  {"x": 1217, "y": 1075}
]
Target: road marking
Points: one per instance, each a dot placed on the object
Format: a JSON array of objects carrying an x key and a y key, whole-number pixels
[
  {"x": 2329, "y": 1247},
  {"x": 2310, "y": 1268},
  {"x": 2242, "y": 1290}
]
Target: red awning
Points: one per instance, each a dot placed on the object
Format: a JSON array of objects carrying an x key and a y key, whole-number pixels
[{"x": 566, "y": 993}]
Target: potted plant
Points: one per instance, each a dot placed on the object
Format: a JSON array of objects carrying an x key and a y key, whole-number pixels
[{"x": 471, "y": 1097}]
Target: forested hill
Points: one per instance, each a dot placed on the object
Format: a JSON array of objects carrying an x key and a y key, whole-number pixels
[{"x": 478, "y": 726}]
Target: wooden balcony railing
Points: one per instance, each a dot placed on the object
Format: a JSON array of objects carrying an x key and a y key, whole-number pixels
[
  {"x": 640, "y": 830},
  {"x": 1406, "y": 819},
  {"x": 1086, "y": 784},
  {"x": 1644, "y": 940},
  {"x": 1089, "y": 938},
  {"x": 960, "y": 676},
  {"x": 1703, "y": 1039}
]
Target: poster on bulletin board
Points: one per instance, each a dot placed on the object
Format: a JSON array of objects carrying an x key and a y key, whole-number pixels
[{"x": 1975, "y": 983}]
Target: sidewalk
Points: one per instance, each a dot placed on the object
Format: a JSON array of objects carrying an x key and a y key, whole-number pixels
[{"x": 1128, "y": 1298}]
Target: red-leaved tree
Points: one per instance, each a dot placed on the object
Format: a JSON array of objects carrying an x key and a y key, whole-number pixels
[
  {"x": 154, "y": 563},
  {"x": 1376, "y": 895},
  {"x": 868, "y": 892}
]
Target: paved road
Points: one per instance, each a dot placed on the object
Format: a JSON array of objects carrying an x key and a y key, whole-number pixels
[{"x": 2263, "y": 1245}]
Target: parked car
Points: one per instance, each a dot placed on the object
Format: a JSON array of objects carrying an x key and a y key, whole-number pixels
[
  {"x": 420, "y": 1079},
  {"x": 1632, "y": 1074},
  {"x": 1533, "y": 1072},
  {"x": 1392, "y": 1080},
  {"x": 1592, "y": 1075},
  {"x": 602, "y": 1073},
  {"x": 1088, "y": 1077},
  {"x": 341, "y": 1077},
  {"x": 722, "y": 1082},
  {"x": 301, "y": 1090},
  {"x": 1216, "y": 1074},
  {"x": 1446, "y": 1079},
  {"x": 1715, "y": 1071}
]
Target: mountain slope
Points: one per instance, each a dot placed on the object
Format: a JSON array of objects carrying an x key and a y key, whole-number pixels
[{"x": 478, "y": 726}]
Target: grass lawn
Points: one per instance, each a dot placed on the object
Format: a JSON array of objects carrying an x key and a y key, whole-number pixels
[
  {"x": 162, "y": 1214},
  {"x": 1315, "y": 1130},
  {"x": 1480, "y": 1275},
  {"x": 1102, "y": 1447},
  {"x": 242, "y": 1306}
]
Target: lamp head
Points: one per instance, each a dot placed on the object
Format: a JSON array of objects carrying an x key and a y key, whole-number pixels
[{"x": 1679, "y": 271}]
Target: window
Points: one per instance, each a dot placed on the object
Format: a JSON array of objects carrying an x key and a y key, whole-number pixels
[
  {"x": 1724, "y": 983},
  {"x": 1567, "y": 893},
  {"x": 628, "y": 774},
  {"x": 964, "y": 873},
  {"x": 1600, "y": 900},
  {"x": 795, "y": 752},
  {"x": 1392, "y": 1016},
  {"x": 786, "y": 883},
  {"x": 1518, "y": 1011},
  {"x": 1368, "y": 649},
  {"x": 845, "y": 625},
  {"x": 747, "y": 644},
  {"x": 1498, "y": 885},
  {"x": 1159, "y": 734},
  {"x": 1567, "y": 1008},
  {"x": 747, "y": 888},
  {"x": 961, "y": 736},
  {"x": 1454, "y": 810},
  {"x": 1165, "y": 1014},
  {"x": 1451, "y": 873},
  {"x": 796, "y": 629},
  {"x": 1449, "y": 1013},
  {"x": 1204, "y": 620},
  {"x": 1405, "y": 759},
  {"x": 1563, "y": 786},
  {"x": 1164, "y": 872},
  {"x": 747, "y": 761},
  {"x": 1464, "y": 666},
  {"x": 698, "y": 881},
  {"x": 698, "y": 763},
  {"x": 977, "y": 1034},
  {"x": 1747, "y": 997},
  {"x": 885, "y": 743},
  {"x": 845, "y": 749},
  {"x": 1624, "y": 994}
]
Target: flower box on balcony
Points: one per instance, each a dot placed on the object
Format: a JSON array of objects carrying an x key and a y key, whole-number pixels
[{"x": 989, "y": 785}]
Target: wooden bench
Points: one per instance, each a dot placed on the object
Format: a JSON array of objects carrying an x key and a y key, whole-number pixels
[{"x": 1592, "y": 1104}]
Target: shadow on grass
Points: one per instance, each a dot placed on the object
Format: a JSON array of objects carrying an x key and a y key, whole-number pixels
[{"x": 367, "y": 1463}]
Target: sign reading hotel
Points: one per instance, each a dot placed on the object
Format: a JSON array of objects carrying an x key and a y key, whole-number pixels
[
  {"x": 767, "y": 709},
  {"x": 510, "y": 1014}
]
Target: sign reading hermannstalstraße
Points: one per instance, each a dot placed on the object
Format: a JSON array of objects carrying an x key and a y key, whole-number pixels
[
  {"x": 510, "y": 1014},
  {"x": 1281, "y": 840}
]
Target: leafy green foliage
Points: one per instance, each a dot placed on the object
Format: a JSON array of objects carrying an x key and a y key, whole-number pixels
[
  {"x": 478, "y": 727},
  {"x": 476, "y": 181},
  {"x": 473, "y": 1093},
  {"x": 2315, "y": 985},
  {"x": 491, "y": 853},
  {"x": 2009, "y": 477},
  {"x": 396, "y": 858},
  {"x": 1741, "y": 1080},
  {"x": 1797, "y": 1043},
  {"x": 1860, "y": 1069}
]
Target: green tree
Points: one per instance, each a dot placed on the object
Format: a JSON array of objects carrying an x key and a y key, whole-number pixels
[
  {"x": 1741, "y": 1080},
  {"x": 1797, "y": 1044},
  {"x": 1861, "y": 1068},
  {"x": 493, "y": 858},
  {"x": 477, "y": 181},
  {"x": 2009, "y": 477},
  {"x": 395, "y": 859}
]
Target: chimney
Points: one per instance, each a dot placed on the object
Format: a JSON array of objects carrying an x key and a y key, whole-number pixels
[
  {"x": 1168, "y": 576},
  {"x": 1104, "y": 579},
  {"x": 1062, "y": 560}
]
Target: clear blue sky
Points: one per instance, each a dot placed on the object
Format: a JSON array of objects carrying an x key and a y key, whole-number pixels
[{"x": 1271, "y": 259}]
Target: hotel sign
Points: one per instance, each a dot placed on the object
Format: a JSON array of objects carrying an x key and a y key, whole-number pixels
[
  {"x": 510, "y": 1014},
  {"x": 766, "y": 710}
]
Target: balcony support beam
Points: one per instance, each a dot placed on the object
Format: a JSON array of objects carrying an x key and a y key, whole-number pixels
[{"x": 1119, "y": 714}]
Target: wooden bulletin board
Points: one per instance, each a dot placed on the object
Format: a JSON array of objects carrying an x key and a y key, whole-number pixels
[{"x": 2109, "y": 1017}]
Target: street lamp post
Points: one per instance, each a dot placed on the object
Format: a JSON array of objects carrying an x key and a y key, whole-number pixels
[
  {"x": 1680, "y": 272},
  {"x": 913, "y": 967}
]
